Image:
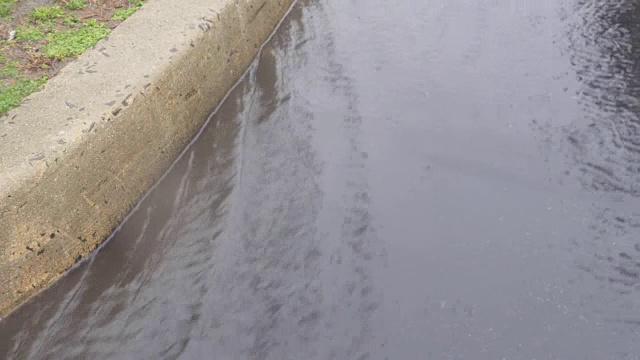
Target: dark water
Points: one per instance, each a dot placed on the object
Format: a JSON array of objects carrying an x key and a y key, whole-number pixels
[{"x": 392, "y": 180}]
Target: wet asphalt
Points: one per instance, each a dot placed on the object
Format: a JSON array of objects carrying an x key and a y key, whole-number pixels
[{"x": 390, "y": 180}]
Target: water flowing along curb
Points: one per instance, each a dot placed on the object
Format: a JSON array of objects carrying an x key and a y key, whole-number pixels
[{"x": 78, "y": 155}]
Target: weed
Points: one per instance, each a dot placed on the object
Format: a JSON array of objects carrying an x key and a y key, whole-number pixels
[
  {"x": 73, "y": 42},
  {"x": 47, "y": 26},
  {"x": 121, "y": 14},
  {"x": 12, "y": 95},
  {"x": 76, "y": 4},
  {"x": 28, "y": 33},
  {"x": 47, "y": 13},
  {"x": 8, "y": 69},
  {"x": 70, "y": 20},
  {"x": 91, "y": 23},
  {"x": 6, "y": 7}
]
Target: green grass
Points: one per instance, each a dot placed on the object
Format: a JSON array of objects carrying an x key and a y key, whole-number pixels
[
  {"x": 8, "y": 69},
  {"x": 70, "y": 20},
  {"x": 6, "y": 7},
  {"x": 76, "y": 4},
  {"x": 59, "y": 44},
  {"x": 73, "y": 42},
  {"x": 13, "y": 85},
  {"x": 121, "y": 14},
  {"x": 28, "y": 33},
  {"x": 45, "y": 13},
  {"x": 12, "y": 95}
]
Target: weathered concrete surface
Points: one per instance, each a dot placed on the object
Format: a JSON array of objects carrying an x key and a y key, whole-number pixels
[{"x": 78, "y": 155}]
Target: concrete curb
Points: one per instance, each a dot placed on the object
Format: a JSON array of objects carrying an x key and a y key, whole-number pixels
[{"x": 77, "y": 156}]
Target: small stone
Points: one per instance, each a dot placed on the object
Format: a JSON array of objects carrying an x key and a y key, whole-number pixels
[{"x": 37, "y": 157}]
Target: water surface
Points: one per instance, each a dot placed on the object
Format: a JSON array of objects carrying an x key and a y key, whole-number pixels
[{"x": 391, "y": 180}]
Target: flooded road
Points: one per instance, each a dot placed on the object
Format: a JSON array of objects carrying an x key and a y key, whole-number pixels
[{"x": 391, "y": 180}]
